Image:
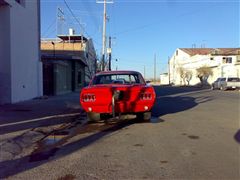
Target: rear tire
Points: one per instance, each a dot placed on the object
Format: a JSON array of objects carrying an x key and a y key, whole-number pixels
[
  {"x": 93, "y": 116},
  {"x": 146, "y": 116},
  {"x": 223, "y": 88}
]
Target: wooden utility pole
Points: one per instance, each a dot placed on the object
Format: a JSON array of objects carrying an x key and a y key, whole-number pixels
[
  {"x": 110, "y": 54},
  {"x": 104, "y": 31},
  {"x": 144, "y": 72},
  {"x": 154, "y": 67},
  {"x": 104, "y": 35},
  {"x": 169, "y": 73}
]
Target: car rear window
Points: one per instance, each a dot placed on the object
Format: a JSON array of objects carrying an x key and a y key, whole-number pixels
[
  {"x": 233, "y": 79},
  {"x": 117, "y": 79}
]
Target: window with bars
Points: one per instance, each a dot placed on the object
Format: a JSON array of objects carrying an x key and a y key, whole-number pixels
[{"x": 227, "y": 60}]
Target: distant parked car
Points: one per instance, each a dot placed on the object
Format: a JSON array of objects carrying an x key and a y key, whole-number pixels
[
  {"x": 226, "y": 83},
  {"x": 112, "y": 93}
]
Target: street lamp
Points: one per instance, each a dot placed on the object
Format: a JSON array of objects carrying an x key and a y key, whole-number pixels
[{"x": 53, "y": 49}]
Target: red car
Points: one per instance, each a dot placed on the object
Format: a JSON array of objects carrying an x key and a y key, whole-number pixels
[{"x": 111, "y": 93}]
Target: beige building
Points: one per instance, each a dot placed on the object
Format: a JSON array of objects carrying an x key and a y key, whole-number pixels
[
  {"x": 20, "y": 65},
  {"x": 69, "y": 63},
  {"x": 224, "y": 62}
]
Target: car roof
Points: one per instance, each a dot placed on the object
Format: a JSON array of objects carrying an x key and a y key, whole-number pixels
[{"x": 117, "y": 72}]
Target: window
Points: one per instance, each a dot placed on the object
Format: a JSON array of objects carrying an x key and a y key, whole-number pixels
[
  {"x": 233, "y": 79},
  {"x": 118, "y": 79},
  {"x": 227, "y": 60},
  {"x": 238, "y": 58},
  {"x": 176, "y": 52},
  {"x": 79, "y": 77}
]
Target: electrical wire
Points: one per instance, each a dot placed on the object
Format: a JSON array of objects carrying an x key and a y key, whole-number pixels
[
  {"x": 70, "y": 10},
  {"x": 49, "y": 27},
  {"x": 74, "y": 16}
]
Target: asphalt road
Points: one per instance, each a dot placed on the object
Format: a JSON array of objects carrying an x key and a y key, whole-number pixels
[{"x": 194, "y": 134}]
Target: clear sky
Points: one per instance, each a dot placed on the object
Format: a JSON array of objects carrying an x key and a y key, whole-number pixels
[{"x": 142, "y": 28}]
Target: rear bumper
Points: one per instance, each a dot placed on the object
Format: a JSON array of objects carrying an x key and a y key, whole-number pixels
[{"x": 120, "y": 107}]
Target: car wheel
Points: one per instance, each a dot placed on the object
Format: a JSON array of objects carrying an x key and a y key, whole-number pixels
[
  {"x": 93, "y": 116},
  {"x": 223, "y": 88},
  {"x": 146, "y": 116}
]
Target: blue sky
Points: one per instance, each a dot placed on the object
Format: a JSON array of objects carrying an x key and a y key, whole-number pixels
[{"x": 142, "y": 28}]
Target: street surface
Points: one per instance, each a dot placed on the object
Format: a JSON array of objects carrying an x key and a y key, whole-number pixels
[{"x": 194, "y": 134}]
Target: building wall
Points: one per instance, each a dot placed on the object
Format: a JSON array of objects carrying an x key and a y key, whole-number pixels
[
  {"x": 5, "y": 55},
  {"x": 79, "y": 76},
  {"x": 62, "y": 77},
  {"x": 86, "y": 51},
  {"x": 23, "y": 42},
  {"x": 90, "y": 70},
  {"x": 164, "y": 79}
]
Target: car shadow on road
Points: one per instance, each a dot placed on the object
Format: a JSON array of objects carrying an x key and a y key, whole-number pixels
[
  {"x": 172, "y": 90},
  {"x": 170, "y": 105}
]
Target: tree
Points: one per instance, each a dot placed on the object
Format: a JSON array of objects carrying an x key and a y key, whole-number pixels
[
  {"x": 188, "y": 76},
  {"x": 181, "y": 71},
  {"x": 203, "y": 73}
]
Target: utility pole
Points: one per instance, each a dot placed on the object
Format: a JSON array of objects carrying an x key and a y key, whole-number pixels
[
  {"x": 116, "y": 64},
  {"x": 155, "y": 67},
  {"x": 110, "y": 53},
  {"x": 144, "y": 72},
  {"x": 104, "y": 31},
  {"x": 104, "y": 35},
  {"x": 169, "y": 73}
]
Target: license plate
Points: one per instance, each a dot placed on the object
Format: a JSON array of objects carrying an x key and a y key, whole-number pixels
[{"x": 234, "y": 87}]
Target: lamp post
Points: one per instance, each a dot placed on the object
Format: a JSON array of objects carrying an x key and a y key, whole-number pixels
[{"x": 53, "y": 49}]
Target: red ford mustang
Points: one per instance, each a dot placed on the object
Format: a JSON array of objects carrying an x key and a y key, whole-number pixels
[{"x": 111, "y": 93}]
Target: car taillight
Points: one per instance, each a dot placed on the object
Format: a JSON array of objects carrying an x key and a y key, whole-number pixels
[
  {"x": 89, "y": 98},
  {"x": 146, "y": 96}
]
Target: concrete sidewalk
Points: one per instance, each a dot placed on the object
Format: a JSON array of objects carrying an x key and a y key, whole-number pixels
[
  {"x": 20, "y": 123},
  {"x": 37, "y": 112}
]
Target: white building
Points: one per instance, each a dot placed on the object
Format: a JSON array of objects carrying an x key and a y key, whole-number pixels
[
  {"x": 164, "y": 79},
  {"x": 20, "y": 66},
  {"x": 224, "y": 62}
]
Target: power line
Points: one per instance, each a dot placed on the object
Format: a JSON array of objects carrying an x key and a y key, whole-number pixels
[
  {"x": 49, "y": 27},
  {"x": 70, "y": 10}
]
